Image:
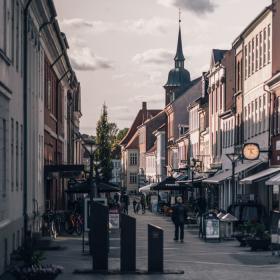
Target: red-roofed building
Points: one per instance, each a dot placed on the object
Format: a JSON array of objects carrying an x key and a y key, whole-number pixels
[{"x": 130, "y": 149}]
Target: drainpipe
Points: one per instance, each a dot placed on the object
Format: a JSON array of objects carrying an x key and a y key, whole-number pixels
[{"x": 25, "y": 120}]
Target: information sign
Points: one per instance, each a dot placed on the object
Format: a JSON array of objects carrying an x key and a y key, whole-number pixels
[{"x": 102, "y": 201}]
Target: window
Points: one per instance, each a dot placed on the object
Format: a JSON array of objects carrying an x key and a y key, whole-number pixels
[
  {"x": 252, "y": 128},
  {"x": 6, "y": 28},
  {"x": 249, "y": 121},
  {"x": 260, "y": 51},
  {"x": 260, "y": 115},
  {"x": 221, "y": 97},
  {"x": 256, "y": 117},
  {"x": 268, "y": 43},
  {"x": 3, "y": 158},
  {"x": 49, "y": 95},
  {"x": 264, "y": 113},
  {"x": 264, "y": 46},
  {"x": 133, "y": 178},
  {"x": 133, "y": 159},
  {"x": 12, "y": 153},
  {"x": 246, "y": 62},
  {"x": 21, "y": 156},
  {"x": 249, "y": 59},
  {"x": 257, "y": 53},
  {"x": 17, "y": 35},
  {"x": 246, "y": 123},
  {"x": 253, "y": 56},
  {"x": 17, "y": 155}
]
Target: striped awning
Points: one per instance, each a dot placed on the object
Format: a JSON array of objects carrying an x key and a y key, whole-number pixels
[
  {"x": 275, "y": 180},
  {"x": 219, "y": 178},
  {"x": 260, "y": 176}
]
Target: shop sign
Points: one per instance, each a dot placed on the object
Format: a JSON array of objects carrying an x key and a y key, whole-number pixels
[
  {"x": 277, "y": 144},
  {"x": 212, "y": 229},
  {"x": 114, "y": 221},
  {"x": 102, "y": 201}
]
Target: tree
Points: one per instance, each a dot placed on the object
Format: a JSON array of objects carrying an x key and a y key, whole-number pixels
[
  {"x": 103, "y": 141},
  {"x": 121, "y": 134},
  {"x": 116, "y": 148}
]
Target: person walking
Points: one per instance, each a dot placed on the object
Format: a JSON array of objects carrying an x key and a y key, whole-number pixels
[
  {"x": 143, "y": 203},
  {"x": 179, "y": 214},
  {"x": 134, "y": 204}
]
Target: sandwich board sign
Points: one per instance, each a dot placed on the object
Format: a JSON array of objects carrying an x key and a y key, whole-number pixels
[{"x": 102, "y": 201}]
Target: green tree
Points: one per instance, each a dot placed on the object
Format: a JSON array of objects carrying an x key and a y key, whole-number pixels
[
  {"x": 103, "y": 141},
  {"x": 116, "y": 148}
]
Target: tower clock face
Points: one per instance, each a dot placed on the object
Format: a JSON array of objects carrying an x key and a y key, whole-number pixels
[{"x": 251, "y": 151}]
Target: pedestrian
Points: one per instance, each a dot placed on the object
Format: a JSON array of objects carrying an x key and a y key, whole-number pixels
[
  {"x": 137, "y": 206},
  {"x": 179, "y": 214},
  {"x": 143, "y": 203},
  {"x": 134, "y": 204}
]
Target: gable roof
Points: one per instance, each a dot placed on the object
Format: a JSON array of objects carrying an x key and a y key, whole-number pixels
[
  {"x": 141, "y": 117},
  {"x": 217, "y": 56}
]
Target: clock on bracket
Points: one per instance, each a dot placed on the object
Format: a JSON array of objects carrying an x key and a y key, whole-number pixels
[{"x": 251, "y": 151}]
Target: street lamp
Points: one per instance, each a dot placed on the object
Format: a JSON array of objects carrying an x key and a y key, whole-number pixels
[
  {"x": 233, "y": 157},
  {"x": 90, "y": 148}
]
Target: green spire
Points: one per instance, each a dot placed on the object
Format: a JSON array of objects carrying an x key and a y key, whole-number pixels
[{"x": 179, "y": 57}]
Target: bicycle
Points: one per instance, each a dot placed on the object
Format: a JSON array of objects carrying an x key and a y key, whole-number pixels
[
  {"x": 49, "y": 227},
  {"x": 74, "y": 223}
]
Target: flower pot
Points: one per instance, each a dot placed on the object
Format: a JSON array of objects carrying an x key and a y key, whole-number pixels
[
  {"x": 259, "y": 244},
  {"x": 36, "y": 272},
  {"x": 242, "y": 240}
]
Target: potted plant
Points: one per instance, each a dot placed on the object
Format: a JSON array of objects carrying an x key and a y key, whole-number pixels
[
  {"x": 243, "y": 233},
  {"x": 29, "y": 265},
  {"x": 259, "y": 238}
]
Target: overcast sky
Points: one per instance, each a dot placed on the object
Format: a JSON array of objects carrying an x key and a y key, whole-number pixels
[{"x": 122, "y": 50}]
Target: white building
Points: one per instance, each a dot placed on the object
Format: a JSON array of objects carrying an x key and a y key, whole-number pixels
[
  {"x": 11, "y": 130},
  {"x": 116, "y": 171}
]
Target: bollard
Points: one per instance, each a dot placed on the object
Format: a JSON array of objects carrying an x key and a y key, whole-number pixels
[
  {"x": 99, "y": 236},
  {"x": 155, "y": 249},
  {"x": 128, "y": 243}
]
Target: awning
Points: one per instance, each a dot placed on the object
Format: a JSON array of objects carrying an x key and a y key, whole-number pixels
[
  {"x": 275, "y": 180},
  {"x": 85, "y": 187},
  {"x": 260, "y": 176},
  {"x": 147, "y": 188},
  {"x": 189, "y": 183},
  {"x": 219, "y": 178}
]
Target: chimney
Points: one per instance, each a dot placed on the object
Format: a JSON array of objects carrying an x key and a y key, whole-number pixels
[
  {"x": 144, "y": 112},
  {"x": 144, "y": 106}
]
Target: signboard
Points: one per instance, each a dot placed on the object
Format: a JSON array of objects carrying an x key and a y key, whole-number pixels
[
  {"x": 114, "y": 221},
  {"x": 102, "y": 201},
  {"x": 212, "y": 228},
  {"x": 277, "y": 144}
]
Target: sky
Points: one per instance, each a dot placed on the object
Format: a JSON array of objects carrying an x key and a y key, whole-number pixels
[{"x": 122, "y": 50}]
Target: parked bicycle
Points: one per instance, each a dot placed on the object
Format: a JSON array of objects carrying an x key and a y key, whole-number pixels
[
  {"x": 49, "y": 227},
  {"x": 74, "y": 223}
]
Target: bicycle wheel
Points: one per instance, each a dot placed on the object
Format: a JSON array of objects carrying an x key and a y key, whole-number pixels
[
  {"x": 69, "y": 228},
  {"x": 79, "y": 228}
]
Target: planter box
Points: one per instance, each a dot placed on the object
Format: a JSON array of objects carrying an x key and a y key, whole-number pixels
[{"x": 259, "y": 244}]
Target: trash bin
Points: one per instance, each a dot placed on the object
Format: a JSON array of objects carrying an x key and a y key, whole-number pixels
[{"x": 226, "y": 226}]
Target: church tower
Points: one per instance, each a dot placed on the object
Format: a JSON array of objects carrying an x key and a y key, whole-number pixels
[{"x": 178, "y": 76}]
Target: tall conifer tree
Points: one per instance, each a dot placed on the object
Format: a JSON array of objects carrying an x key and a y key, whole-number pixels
[{"x": 103, "y": 141}]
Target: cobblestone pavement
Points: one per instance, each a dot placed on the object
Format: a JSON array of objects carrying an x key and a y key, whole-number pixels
[{"x": 200, "y": 260}]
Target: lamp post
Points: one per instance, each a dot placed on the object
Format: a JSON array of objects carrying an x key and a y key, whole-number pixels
[
  {"x": 91, "y": 147},
  {"x": 233, "y": 157}
]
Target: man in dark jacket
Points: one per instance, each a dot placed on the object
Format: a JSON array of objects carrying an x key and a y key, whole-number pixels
[{"x": 178, "y": 217}]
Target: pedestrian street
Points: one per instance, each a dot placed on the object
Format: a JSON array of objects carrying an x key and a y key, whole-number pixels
[{"x": 198, "y": 259}]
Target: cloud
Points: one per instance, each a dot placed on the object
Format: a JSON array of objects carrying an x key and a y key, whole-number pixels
[
  {"x": 153, "y": 56},
  {"x": 196, "y": 6},
  {"x": 140, "y": 26},
  {"x": 83, "y": 59}
]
